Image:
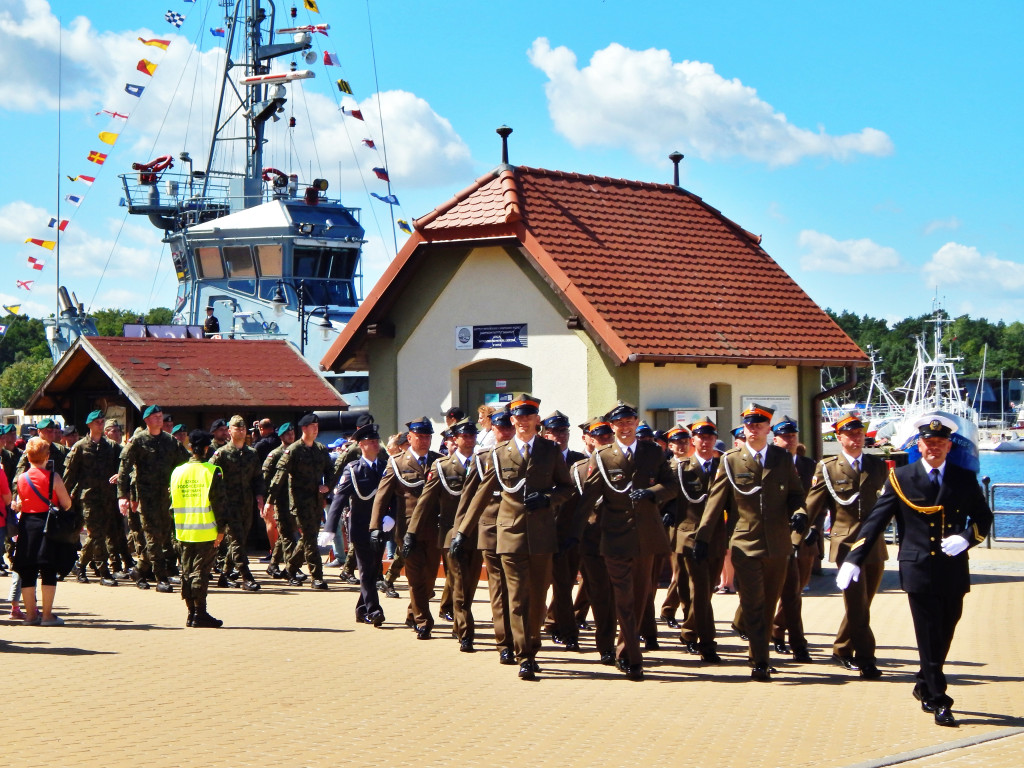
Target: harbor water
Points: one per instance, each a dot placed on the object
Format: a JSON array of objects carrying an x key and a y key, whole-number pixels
[{"x": 1006, "y": 468}]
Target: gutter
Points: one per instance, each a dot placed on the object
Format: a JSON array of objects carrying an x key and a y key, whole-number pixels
[{"x": 850, "y": 383}]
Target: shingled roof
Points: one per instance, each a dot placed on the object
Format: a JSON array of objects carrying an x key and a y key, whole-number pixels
[
  {"x": 654, "y": 272},
  {"x": 191, "y": 373}
]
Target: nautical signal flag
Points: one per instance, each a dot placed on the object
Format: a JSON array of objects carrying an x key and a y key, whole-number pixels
[
  {"x": 357, "y": 114},
  {"x": 155, "y": 43},
  {"x": 14, "y": 309},
  {"x": 75, "y": 200},
  {"x": 218, "y": 32},
  {"x": 331, "y": 59},
  {"x": 382, "y": 173},
  {"x": 108, "y": 138},
  {"x": 3, "y": 330},
  {"x": 310, "y": 5},
  {"x": 146, "y": 67},
  {"x": 37, "y": 263},
  {"x": 134, "y": 90},
  {"x": 61, "y": 225},
  {"x": 369, "y": 143},
  {"x": 175, "y": 18},
  {"x": 26, "y": 284},
  {"x": 112, "y": 114},
  {"x": 97, "y": 157},
  {"x": 404, "y": 226},
  {"x": 344, "y": 87},
  {"x": 47, "y": 244},
  {"x": 87, "y": 180},
  {"x": 389, "y": 199}
]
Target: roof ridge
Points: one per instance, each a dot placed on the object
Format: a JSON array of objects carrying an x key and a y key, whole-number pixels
[{"x": 457, "y": 198}]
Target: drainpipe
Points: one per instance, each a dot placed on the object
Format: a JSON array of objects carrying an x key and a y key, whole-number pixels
[{"x": 816, "y": 401}]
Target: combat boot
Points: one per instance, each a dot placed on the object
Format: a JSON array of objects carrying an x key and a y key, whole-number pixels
[{"x": 191, "y": 605}]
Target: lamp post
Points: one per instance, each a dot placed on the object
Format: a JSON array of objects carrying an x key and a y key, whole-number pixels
[{"x": 305, "y": 315}]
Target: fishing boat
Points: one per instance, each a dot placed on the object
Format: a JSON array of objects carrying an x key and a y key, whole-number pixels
[
  {"x": 933, "y": 390},
  {"x": 270, "y": 252}
]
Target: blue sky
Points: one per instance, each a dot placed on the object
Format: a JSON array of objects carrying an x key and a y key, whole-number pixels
[{"x": 874, "y": 146}]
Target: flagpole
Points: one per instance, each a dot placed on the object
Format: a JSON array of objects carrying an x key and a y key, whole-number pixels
[{"x": 56, "y": 249}]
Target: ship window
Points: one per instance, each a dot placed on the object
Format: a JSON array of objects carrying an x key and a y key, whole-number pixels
[
  {"x": 243, "y": 286},
  {"x": 209, "y": 262},
  {"x": 269, "y": 257},
  {"x": 239, "y": 261}
]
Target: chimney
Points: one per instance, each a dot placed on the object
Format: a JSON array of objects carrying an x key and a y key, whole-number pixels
[
  {"x": 675, "y": 157},
  {"x": 504, "y": 131}
]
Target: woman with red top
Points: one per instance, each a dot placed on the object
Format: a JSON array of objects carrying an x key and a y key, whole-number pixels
[{"x": 35, "y": 556}]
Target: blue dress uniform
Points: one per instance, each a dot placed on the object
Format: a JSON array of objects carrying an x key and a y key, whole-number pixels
[{"x": 935, "y": 582}]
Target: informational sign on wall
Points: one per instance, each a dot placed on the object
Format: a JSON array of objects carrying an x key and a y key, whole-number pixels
[
  {"x": 783, "y": 405},
  {"x": 490, "y": 336},
  {"x": 497, "y": 399},
  {"x": 686, "y": 416}
]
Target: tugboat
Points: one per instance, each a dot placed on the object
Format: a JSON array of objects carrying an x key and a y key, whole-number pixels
[{"x": 270, "y": 254}]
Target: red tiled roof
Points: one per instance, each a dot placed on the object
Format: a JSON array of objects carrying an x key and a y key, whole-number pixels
[
  {"x": 655, "y": 273},
  {"x": 204, "y": 373}
]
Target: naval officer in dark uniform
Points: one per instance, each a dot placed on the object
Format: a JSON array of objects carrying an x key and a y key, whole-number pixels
[{"x": 940, "y": 513}]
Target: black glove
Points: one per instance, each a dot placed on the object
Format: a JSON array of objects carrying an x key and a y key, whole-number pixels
[
  {"x": 375, "y": 541},
  {"x": 458, "y": 541},
  {"x": 813, "y": 534},
  {"x": 700, "y": 551},
  {"x": 408, "y": 543},
  {"x": 640, "y": 494},
  {"x": 668, "y": 517},
  {"x": 536, "y": 500},
  {"x": 567, "y": 543},
  {"x": 798, "y": 522}
]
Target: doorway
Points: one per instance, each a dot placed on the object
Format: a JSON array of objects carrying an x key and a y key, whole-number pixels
[{"x": 492, "y": 382}]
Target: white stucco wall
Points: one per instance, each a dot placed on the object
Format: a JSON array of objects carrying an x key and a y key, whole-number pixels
[{"x": 490, "y": 289}]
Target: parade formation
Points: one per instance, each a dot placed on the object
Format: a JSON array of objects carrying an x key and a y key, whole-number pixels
[{"x": 517, "y": 508}]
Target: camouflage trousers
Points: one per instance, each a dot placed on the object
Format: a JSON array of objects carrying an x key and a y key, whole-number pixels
[
  {"x": 102, "y": 521},
  {"x": 196, "y": 566},
  {"x": 157, "y": 554},
  {"x": 306, "y": 547},
  {"x": 284, "y": 547},
  {"x": 236, "y": 535}
]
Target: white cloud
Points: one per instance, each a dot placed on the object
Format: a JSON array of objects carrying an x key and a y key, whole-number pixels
[
  {"x": 15, "y": 218},
  {"x": 934, "y": 226},
  {"x": 966, "y": 267},
  {"x": 645, "y": 102},
  {"x": 850, "y": 257}
]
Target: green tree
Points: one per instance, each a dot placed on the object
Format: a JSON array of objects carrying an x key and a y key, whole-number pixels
[
  {"x": 110, "y": 322},
  {"x": 159, "y": 316},
  {"x": 19, "y": 380},
  {"x": 25, "y": 340}
]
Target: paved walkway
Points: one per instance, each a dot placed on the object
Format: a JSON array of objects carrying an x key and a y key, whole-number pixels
[{"x": 292, "y": 681}]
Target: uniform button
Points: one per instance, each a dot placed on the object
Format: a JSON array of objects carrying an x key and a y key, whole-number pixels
[
  {"x": 933, "y": 552},
  {"x": 933, "y": 539}
]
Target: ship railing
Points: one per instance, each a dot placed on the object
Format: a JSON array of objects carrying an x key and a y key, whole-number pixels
[{"x": 1000, "y": 516}]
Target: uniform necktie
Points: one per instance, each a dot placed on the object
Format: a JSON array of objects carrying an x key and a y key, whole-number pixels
[
  {"x": 935, "y": 480},
  {"x": 856, "y": 465},
  {"x": 526, "y": 451},
  {"x": 707, "y": 467},
  {"x": 629, "y": 453},
  {"x": 423, "y": 462},
  {"x": 466, "y": 464},
  {"x": 760, "y": 461}
]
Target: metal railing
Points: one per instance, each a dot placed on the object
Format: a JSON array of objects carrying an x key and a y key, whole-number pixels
[{"x": 991, "y": 494}]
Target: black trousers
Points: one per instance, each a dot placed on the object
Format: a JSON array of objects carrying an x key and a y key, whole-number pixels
[
  {"x": 935, "y": 619},
  {"x": 369, "y": 564}
]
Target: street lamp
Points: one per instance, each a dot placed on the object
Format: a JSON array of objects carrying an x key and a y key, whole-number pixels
[{"x": 305, "y": 315}]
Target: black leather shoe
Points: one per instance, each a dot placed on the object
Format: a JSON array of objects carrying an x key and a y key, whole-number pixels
[
  {"x": 780, "y": 646},
  {"x": 622, "y": 664},
  {"x": 377, "y": 619},
  {"x": 737, "y": 631},
  {"x": 762, "y": 673},
  {"x": 108, "y": 581},
  {"x": 635, "y": 672},
  {"x": 142, "y": 584},
  {"x": 556, "y": 638},
  {"x": 251, "y": 586},
  {"x": 224, "y": 582},
  {"x": 284, "y": 575},
  {"x": 82, "y": 578},
  {"x": 534, "y": 665},
  {"x": 869, "y": 671},
  {"x": 121, "y": 575},
  {"x": 572, "y": 645},
  {"x": 164, "y": 587},
  {"x": 526, "y": 671},
  {"x": 447, "y": 616},
  {"x": 466, "y": 646},
  {"x": 608, "y": 659},
  {"x": 670, "y": 621},
  {"x": 691, "y": 647},
  {"x": 944, "y": 716},
  {"x": 925, "y": 706},
  {"x": 300, "y": 576},
  {"x": 173, "y": 580},
  {"x": 802, "y": 656},
  {"x": 506, "y": 656},
  {"x": 318, "y": 584},
  {"x": 422, "y": 633},
  {"x": 846, "y": 662},
  {"x": 652, "y": 645},
  {"x": 390, "y": 591},
  {"x": 583, "y": 625},
  {"x": 711, "y": 656},
  {"x": 410, "y": 622},
  {"x": 295, "y": 582},
  {"x": 190, "y": 621},
  {"x": 360, "y": 617}
]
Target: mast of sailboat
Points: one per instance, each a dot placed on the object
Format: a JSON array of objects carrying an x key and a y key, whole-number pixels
[
  {"x": 981, "y": 381},
  {"x": 56, "y": 247}
]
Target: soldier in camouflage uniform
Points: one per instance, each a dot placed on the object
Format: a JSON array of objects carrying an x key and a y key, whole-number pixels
[
  {"x": 221, "y": 436},
  {"x": 243, "y": 483},
  {"x": 50, "y": 431},
  {"x": 92, "y": 463},
  {"x": 152, "y": 456},
  {"x": 277, "y": 512},
  {"x": 307, "y": 469}
]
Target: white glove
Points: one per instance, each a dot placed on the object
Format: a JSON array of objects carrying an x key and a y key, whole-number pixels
[
  {"x": 954, "y": 545},
  {"x": 325, "y": 539},
  {"x": 388, "y": 523},
  {"x": 848, "y": 573}
]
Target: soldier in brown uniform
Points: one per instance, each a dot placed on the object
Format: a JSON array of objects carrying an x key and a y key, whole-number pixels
[
  {"x": 695, "y": 474},
  {"x": 435, "y": 517},
  {"x": 633, "y": 480},
  {"x": 483, "y": 536},
  {"x": 533, "y": 479},
  {"x": 678, "y": 592},
  {"x": 847, "y": 487},
  {"x": 399, "y": 490},
  {"x": 759, "y": 487}
]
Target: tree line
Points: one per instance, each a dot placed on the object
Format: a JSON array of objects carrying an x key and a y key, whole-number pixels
[{"x": 964, "y": 337}]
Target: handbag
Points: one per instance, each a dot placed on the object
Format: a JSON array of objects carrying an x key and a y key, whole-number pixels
[{"x": 61, "y": 525}]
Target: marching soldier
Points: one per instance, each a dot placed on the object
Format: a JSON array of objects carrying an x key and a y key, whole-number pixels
[
  {"x": 632, "y": 479},
  {"x": 243, "y": 485},
  {"x": 678, "y": 593},
  {"x": 92, "y": 463},
  {"x": 940, "y": 513},
  {"x": 151, "y": 456},
  {"x": 277, "y": 509},
  {"x": 532, "y": 477},
  {"x": 50, "y": 431},
  {"x": 399, "y": 490},
  {"x": 847, "y": 487},
  {"x": 757, "y": 483}
]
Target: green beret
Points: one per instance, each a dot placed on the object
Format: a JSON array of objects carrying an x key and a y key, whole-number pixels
[
  {"x": 150, "y": 410},
  {"x": 93, "y": 415},
  {"x": 46, "y": 423},
  {"x": 286, "y": 427}
]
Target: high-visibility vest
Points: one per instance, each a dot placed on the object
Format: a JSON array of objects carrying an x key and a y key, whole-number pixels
[{"x": 190, "y": 500}]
